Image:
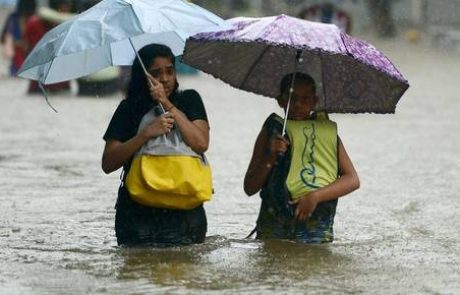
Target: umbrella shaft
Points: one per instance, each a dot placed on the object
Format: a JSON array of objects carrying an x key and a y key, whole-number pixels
[
  {"x": 145, "y": 70},
  {"x": 291, "y": 90}
]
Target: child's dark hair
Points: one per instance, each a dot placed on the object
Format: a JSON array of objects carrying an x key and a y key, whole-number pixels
[{"x": 286, "y": 82}]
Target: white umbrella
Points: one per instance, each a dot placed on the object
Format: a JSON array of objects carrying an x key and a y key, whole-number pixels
[{"x": 105, "y": 35}]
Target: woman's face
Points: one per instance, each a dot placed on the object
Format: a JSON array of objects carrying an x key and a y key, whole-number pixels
[
  {"x": 162, "y": 69},
  {"x": 303, "y": 102}
]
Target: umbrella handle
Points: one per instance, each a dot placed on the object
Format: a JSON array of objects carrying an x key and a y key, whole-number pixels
[
  {"x": 291, "y": 90},
  {"x": 145, "y": 71},
  {"x": 45, "y": 93},
  {"x": 283, "y": 132}
]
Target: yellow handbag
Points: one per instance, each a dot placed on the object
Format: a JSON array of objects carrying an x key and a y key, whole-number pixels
[
  {"x": 167, "y": 173},
  {"x": 174, "y": 182}
]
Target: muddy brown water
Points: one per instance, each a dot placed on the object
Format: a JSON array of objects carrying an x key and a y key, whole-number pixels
[{"x": 398, "y": 234}]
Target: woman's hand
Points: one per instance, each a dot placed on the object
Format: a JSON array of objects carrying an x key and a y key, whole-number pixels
[
  {"x": 159, "y": 126},
  {"x": 305, "y": 206},
  {"x": 157, "y": 90}
]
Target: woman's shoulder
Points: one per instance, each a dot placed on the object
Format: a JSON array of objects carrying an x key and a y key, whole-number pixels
[
  {"x": 188, "y": 93},
  {"x": 123, "y": 108},
  {"x": 123, "y": 104},
  {"x": 188, "y": 98}
]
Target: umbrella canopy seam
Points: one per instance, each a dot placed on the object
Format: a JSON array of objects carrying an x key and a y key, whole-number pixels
[
  {"x": 64, "y": 41},
  {"x": 48, "y": 71},
  {"x": 137, "y": 20},
  {"x": 253, "y": 65}
]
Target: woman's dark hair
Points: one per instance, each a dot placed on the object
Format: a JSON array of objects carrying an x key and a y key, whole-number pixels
[
  {"x": 138, "y": 95},
  {"x": 138, "y": 87},
  {"x": 26, "y": 7},
  {"x": 286, "y": 82}
]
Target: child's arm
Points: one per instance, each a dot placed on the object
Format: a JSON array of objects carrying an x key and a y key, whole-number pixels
[
  {"x": 262, "y": 161},
  {"x": 347, "y": 182}
]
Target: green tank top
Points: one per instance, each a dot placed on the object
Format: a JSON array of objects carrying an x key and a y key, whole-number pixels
[{"x": 314, "y": 161}]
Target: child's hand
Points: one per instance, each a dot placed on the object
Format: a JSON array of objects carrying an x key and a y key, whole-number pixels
[
  {"x": 305, "y": 206},
  {"x": 278, "y": 145}
]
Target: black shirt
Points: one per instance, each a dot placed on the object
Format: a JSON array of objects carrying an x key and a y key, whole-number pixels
[{"x": 122, "y": 126}]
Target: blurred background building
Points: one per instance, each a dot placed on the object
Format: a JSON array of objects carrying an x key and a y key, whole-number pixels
[
  {"x": 428, "y": 20},
  {"x": 432, "y": 16},
  {"x": 420, "y": 12},
  {"x": 414, "y": 19}
]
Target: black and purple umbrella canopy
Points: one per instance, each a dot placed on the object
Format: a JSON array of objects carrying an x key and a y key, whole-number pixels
[{"x": 256, "y": 53}]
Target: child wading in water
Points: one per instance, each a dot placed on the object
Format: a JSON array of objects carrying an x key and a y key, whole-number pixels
[{"x": 301, "y": 176}]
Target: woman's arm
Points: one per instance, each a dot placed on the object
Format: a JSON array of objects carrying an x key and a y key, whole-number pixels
[
  {"x": 195, "y": 133},
  {"x": 117, "y": 153},
  {"x": 262, "y": 161},
  {"x": 347, "y": 182}
]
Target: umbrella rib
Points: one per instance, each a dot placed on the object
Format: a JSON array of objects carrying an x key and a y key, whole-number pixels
[
  {"x": 344, "y": 44},
  {"x": 167, "y": 17},
  {"x": 49, "y": 69},
  {"x": 254, "y": 65},
  {"x": 65, "y": 39},
  {"x": 137, "y": 19}
]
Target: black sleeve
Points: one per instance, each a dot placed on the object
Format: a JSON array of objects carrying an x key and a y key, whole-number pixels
[
  {"x": 273, "y": 123},
  {"x": 191, "y": 104},
  {"x": 121, "y": 126}
]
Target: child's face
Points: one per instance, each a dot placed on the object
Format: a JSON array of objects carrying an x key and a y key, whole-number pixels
[{"x": 303, "y": 102}]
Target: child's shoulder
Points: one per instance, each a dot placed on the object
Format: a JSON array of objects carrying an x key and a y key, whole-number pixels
[
  {"x": 323, "y": 119},
  {"x": 274, "y": 121},
  {"x": 321, "y": 116},
  {"x": 274, "y": 117}
]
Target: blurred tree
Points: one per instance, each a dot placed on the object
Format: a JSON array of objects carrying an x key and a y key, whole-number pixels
[
  {"x": 224, "y": 8},
  {"x": 239, "y": 4},
  {"x": 294, "y": 2},
  {"x": 381, "y": 14},
  {"x": 271, "y": 7},
  {"x": 329, "y": 13},
  {"x": 212, "y": 5}
]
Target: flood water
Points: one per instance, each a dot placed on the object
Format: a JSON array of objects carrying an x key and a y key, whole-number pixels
[{"x": 398, "y": 234}]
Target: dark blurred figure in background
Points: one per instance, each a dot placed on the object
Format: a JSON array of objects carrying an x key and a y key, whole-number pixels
[
  {"x": 327, "y": 13},
  {"x": 81, "y": 5},
  {"x": 37, "y": 26},
  {"x": 12, "y": 37},
  {"x": 381, "y": 14}
]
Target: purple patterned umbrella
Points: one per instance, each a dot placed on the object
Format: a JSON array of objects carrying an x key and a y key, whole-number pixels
[{"x": 254, "y": 55}]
